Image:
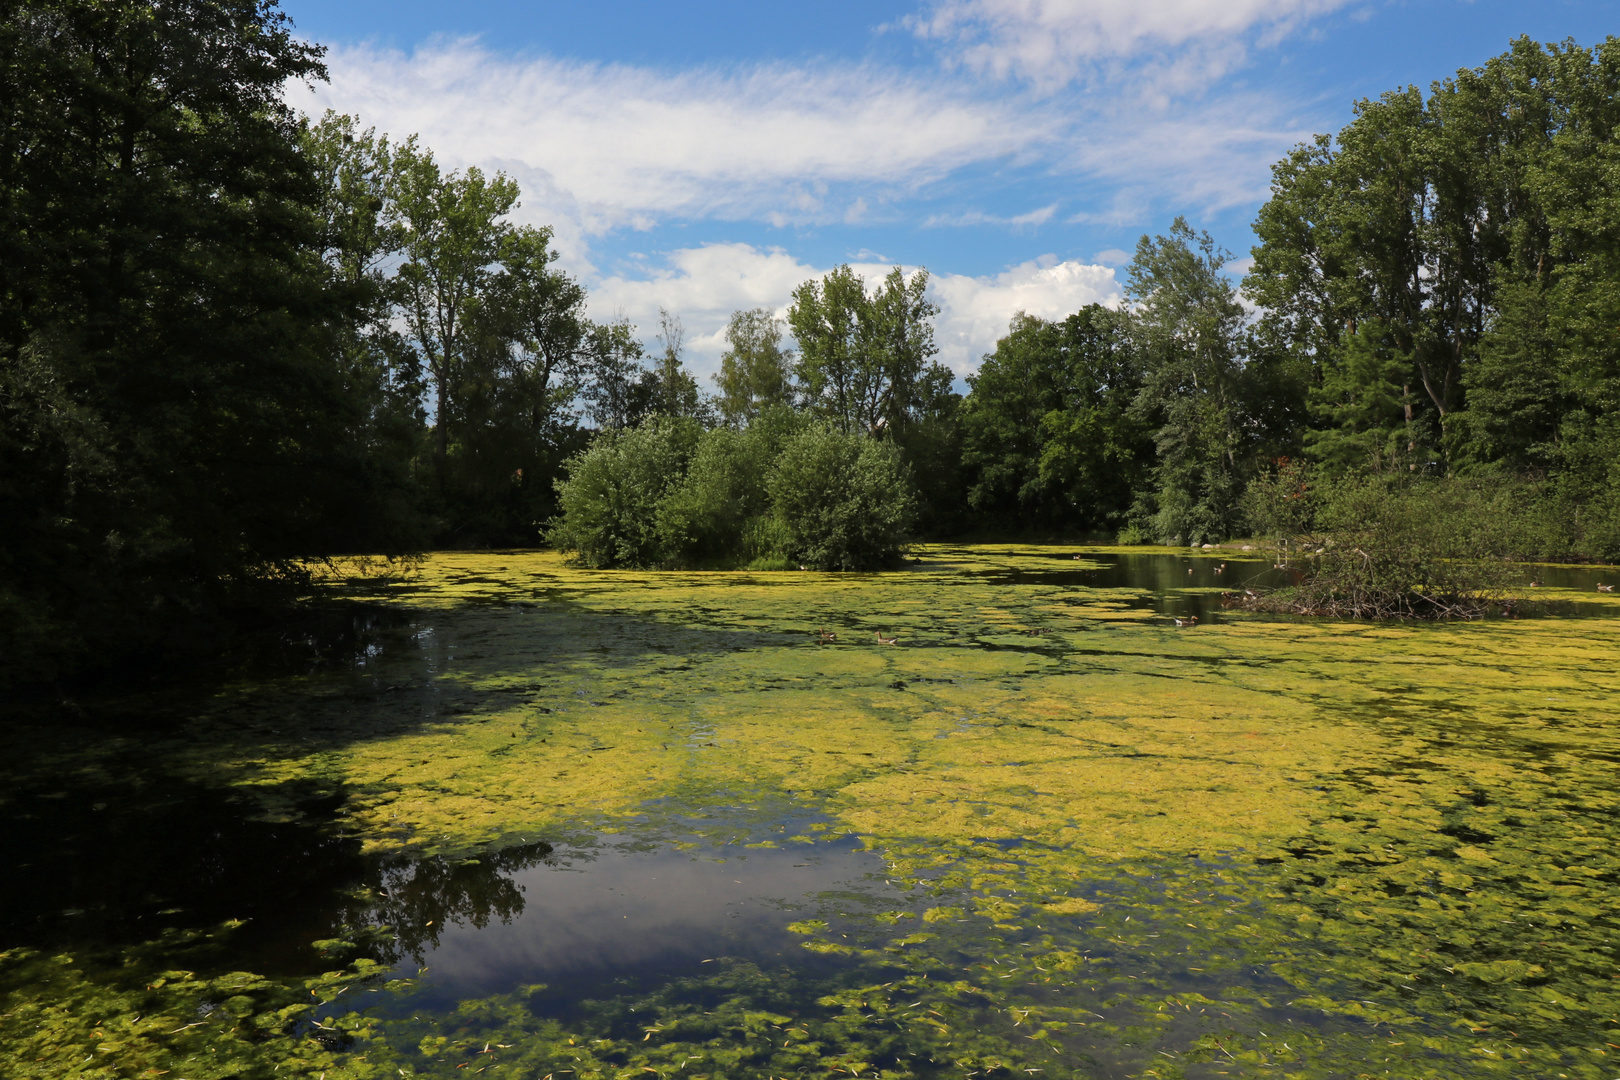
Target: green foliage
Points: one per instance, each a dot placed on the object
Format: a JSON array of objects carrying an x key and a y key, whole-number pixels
[
  {"x": 454, "y": 233},
  {"x": 756, "y": 373},
  {"x": 613, "y": 491},
  {"x": 60, "y": 1016},
  {"x": 621, "y": 391},
  {"x": 784, "y": 492},
  {"x": 1280, "y": 503},
  {"x": 1395, "y": 547},
  {"x": 176, "y": 431},
  {"x": 1049, "y": 436},
  {"x": 863, "y": 356},
  {"x": 1365, "y": 409},
  {"x": 676, "y": 392},
  {"x": 1447, "y": 266},
  {"x": 845, "y": 501},
  {"x": 1188, "y": 325},
  {"x": 719, "y": 512}
]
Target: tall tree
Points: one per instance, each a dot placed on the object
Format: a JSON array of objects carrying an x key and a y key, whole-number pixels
[
  {"x": 1444, "y": 220},
  {"x": 539, "y": 316},
  {"x": 1189, "y": 327},
  {"x": 455, "y": 233},
  {"x": 678, "y": 393},
  {"x": 362, "y": 238},
  {"x": 1050, "y": 438},
  {"x": 755, "y": 371},
  {"x": 619, "y": 391},
  {"x": 863, "y": 357},
  {"x": 828, "y": 319},
  {"x": 900, "y": 340}
]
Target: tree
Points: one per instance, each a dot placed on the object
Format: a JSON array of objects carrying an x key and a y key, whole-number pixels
[
  {"x": 1189, "y": 327},
  {"x": 618, "y": 390},
  {"x": 453, "y": 241},
  {"x": 827, "y": 318},
  {"x": 539, "y": 312},
  {"x": 612, "y": 492},
  {"x": 362, "y": 237},
  {"x": 1049, "y": 435},
  {"x": 522, "y": 368},
  {"x": 755, "y": 371},
  {"x": 900, "y": 335},
  {"x": 677, "y": 391},
  {"x": 1447, "y": 219},
  {"x": 173, "y": 426},
  {"x": 844, "y": 501},
  {"x": 863, "y": 357},
  {"x": 719, "y": 512}
]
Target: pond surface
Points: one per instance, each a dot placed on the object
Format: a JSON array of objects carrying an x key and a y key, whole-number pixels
[{"x": 541, "y": 822}]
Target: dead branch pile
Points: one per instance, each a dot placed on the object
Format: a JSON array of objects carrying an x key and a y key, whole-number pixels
[{"x": 1349, "y": 581}]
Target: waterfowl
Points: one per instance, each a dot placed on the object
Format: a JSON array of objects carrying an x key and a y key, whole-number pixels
[
  {"x": 1188, "y": 621},
  {"x": 885, "y": 640},
  {"x": 1535, "y": 584},
  {"x": 827, "y": 635},
  {"x": 1605, "y": 588}
]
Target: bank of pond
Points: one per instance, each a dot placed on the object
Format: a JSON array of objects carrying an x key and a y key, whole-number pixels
[{"x": 1008, "y": 811}]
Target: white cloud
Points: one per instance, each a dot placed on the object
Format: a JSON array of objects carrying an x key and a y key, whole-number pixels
[
  {"x": 1032, "y": 218},
  {"x": 1052, "y": 42},
  {"x": 612, "y": 146},
  {"x": 975, "y": 311},
  {"x": 704, "y": 285},
  {"x": 599, "y": 148}
]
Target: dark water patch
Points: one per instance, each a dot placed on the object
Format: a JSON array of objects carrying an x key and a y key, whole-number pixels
[{"x": 101, "y": 867}]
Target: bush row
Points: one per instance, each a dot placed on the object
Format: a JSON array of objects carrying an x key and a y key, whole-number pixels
[{"x": 785, "y": 492}]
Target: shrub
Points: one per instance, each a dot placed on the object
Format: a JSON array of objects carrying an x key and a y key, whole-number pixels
[
  {"x": 611, "y": 494},
  {"x": 844, "y": 502},
  {"x": 715, "y": 514},
  {"x": 780, "y": 494}
]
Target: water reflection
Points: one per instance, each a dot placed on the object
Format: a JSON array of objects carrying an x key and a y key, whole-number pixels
[
  {"x": 100, "y": 868},
  {"x": 1172, "y": 585},
  {"x": 623, "y": 915}
]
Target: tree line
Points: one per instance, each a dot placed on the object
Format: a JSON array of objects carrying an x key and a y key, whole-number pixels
[{"x": 234, "y": 339}]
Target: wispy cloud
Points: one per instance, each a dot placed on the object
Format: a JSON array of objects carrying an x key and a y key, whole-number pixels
[
  {"x": 1203, "y": 156},
  {"x": 975, "y": 217},
  {"x": 600, "y": 148},
  {"x": 1179, "y": 44}
]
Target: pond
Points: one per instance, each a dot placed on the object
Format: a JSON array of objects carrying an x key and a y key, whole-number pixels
[{"x": 535, "y": 821}]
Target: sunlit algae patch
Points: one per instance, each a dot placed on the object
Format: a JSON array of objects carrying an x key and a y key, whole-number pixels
[{"x": 1112, "y": 847}]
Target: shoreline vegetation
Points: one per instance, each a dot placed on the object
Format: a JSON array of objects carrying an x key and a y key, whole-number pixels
[{"x": 211, "y": 379}]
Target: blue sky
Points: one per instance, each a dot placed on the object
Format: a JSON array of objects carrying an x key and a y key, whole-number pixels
[{"x": 707, "y": 157}]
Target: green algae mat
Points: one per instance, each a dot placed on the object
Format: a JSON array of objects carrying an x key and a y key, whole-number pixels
[{"x": 541, "y": 822}]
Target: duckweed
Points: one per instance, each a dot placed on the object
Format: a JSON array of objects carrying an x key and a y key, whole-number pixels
[{"x": 1110, "y": 847}]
